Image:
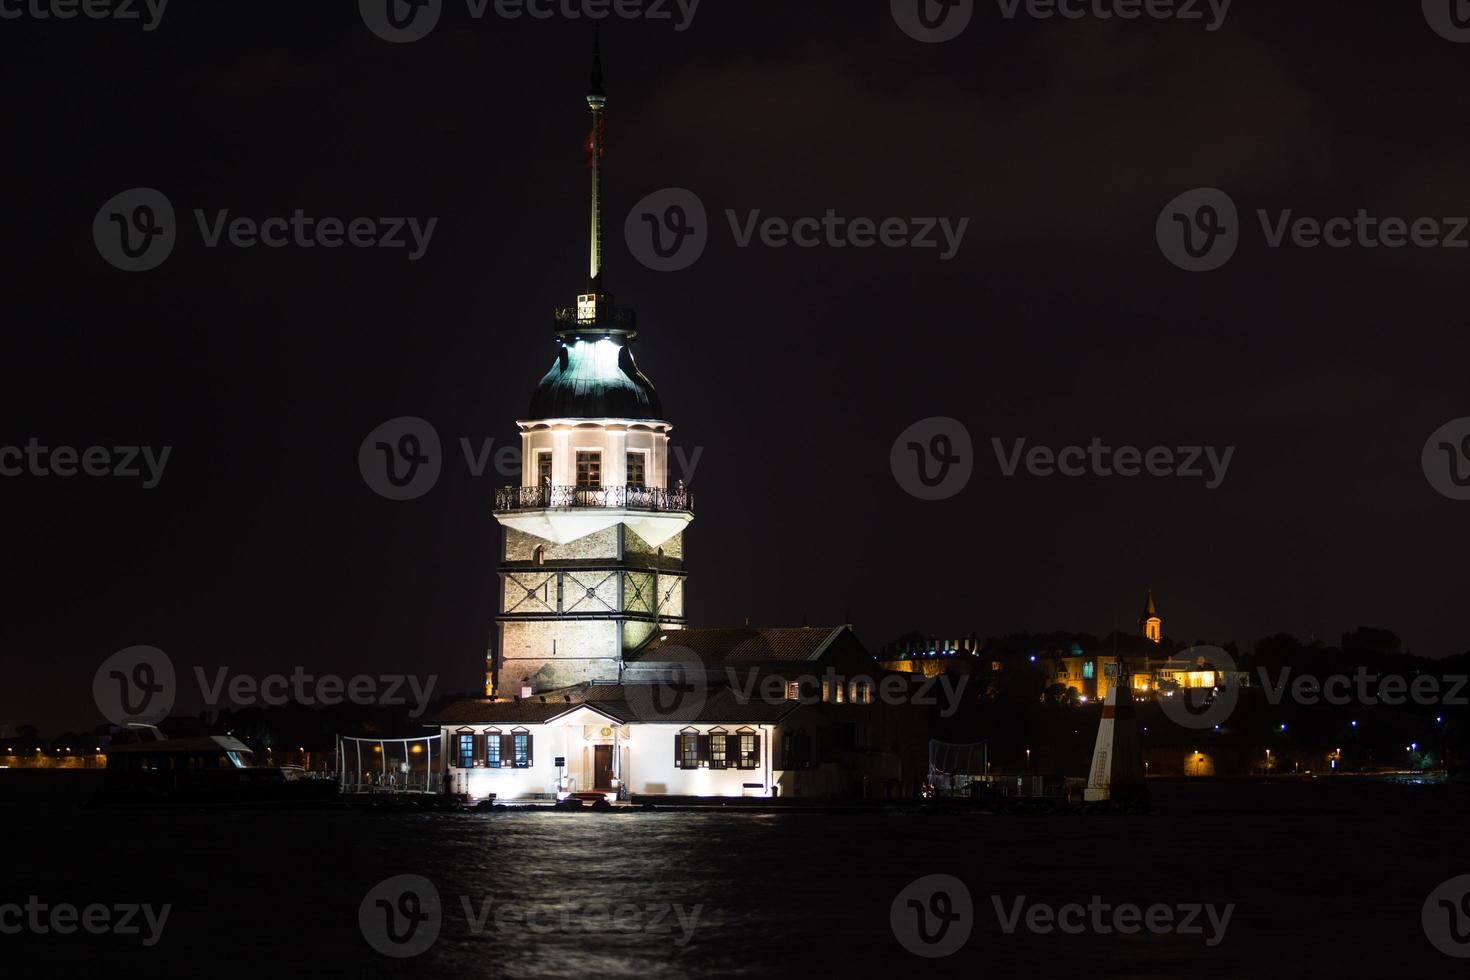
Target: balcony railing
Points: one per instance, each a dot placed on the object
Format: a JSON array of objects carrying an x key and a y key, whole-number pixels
[{"x": 508, "y": 499}]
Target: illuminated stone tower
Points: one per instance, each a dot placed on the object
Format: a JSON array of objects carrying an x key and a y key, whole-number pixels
[
  {"x": 592, "y": 560},
  {"x": 1149, "y": 624}
]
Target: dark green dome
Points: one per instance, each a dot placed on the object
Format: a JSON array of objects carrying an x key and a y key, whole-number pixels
[{"x": 595, "y": 379}]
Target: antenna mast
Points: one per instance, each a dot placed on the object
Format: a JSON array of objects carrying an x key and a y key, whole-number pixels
[{"x": 596, "y": 101}]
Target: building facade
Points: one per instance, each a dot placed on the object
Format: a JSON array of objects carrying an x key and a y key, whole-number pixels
[{"x": 595, "y": 685}]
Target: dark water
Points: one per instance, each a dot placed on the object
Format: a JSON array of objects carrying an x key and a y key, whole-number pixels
[{"x": 1326, "y": 881}]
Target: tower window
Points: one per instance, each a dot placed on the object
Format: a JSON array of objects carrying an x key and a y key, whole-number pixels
[
  {"x": 589, "y": 470},
  {"x": 635, "y": 471},
  {"x": 543, "y": 469},
  {"x": 540, "y": 557}
]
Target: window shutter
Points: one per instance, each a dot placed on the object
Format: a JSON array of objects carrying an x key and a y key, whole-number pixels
[
  {"x": 704, "y": 749},
  {"x": 678, "y": 750},
  {"x": 732, "y": 751},
  {"x": 479, "y": 748},
  {"x": 507, "y": 751}
]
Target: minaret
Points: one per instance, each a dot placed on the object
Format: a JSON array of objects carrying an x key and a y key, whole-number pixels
[
  {"x": 1149, "y": 624},
  {"x": 592, "y": 557}
]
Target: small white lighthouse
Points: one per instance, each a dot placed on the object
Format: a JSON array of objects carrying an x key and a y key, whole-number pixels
[{"x": 1117, "y": 760}]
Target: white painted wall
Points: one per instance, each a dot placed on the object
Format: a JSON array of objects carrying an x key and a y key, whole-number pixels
[
  {"x": 613, "y": 438},
  {"x": 647, "y": 763},
  {"x": 652, "y": 770}
]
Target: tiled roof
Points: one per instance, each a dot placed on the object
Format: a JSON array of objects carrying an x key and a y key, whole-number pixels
[
  {"x": 744, "y": 645},
  {"x": 623, "y": 702}
]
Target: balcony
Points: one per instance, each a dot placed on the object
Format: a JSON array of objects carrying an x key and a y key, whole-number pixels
[{"x": 510, "y": 500}]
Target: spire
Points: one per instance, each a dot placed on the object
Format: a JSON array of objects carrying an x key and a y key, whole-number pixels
[
  {"x": 1150, "y": 624},
  {"x": 595, "y": 316},
  {"x": 596, "y": 102},
  {"x": 596, "y": 89}
]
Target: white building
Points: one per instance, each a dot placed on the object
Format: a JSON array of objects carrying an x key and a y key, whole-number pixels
[{"x": 594, "y": 685}]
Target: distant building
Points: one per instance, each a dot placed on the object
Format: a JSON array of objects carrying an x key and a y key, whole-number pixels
[{"x": 1150, "y": 625}]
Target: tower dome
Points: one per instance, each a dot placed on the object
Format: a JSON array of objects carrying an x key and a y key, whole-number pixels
[{"x": 595, "y": 379}]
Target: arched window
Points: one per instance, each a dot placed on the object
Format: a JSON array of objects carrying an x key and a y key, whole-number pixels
[{"x": 540, "y": 556}]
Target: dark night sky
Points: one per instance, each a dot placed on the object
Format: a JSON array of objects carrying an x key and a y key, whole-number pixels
[{"x": 1059, "y": 320}]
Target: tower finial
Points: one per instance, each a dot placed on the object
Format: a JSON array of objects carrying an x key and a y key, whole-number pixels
[
  {"x": 596, "y": 88},
  {"x": 595, "y": 314},
  {"x": 596, "y": 101}
]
